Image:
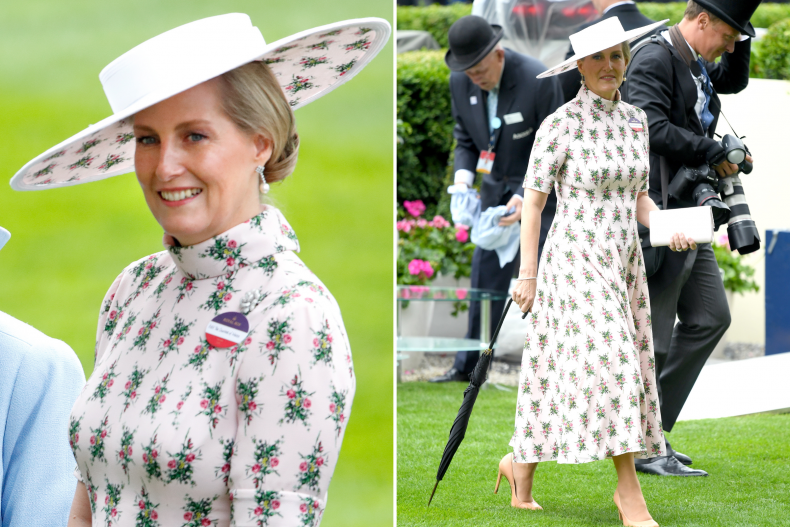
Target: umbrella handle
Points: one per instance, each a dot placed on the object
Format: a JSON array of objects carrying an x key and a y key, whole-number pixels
[{"x": 499, "y": 325}]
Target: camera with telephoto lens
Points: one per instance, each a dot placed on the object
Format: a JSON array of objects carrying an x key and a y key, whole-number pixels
[{"x": 702, "y": 186}]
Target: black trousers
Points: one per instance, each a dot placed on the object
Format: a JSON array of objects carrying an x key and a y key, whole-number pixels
[
  {"x": 486, "y": 274},
  {"x": 697, "y": 296}
]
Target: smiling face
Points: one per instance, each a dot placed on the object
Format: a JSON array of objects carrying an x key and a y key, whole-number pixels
[
  {"x": 195, "y": 166},
  {"x": 487, "y": 72},
  {"x": 713, "y": 38},
  {"x": 603, "y": 71}
]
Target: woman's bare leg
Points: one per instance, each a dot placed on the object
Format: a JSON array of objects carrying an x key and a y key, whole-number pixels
[
  {"x": 523, "y": 474},
  {"x": 629, "y": 490}
]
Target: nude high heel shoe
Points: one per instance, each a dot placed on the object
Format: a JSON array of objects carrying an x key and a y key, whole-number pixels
[
  {"x": 506, "y": 468},
  {"x": 626, "y": 521}
]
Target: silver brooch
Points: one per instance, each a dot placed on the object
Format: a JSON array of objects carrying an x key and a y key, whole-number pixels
[{"x": 251, "y": 300}]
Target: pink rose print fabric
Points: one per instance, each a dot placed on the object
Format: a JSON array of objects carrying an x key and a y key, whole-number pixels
[
  {"x": 172, "y": 431},
  {"x": 587, "y": 385}
]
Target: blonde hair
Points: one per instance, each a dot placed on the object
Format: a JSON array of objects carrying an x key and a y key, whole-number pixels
[
  {"x": 254, "y": 101},
  {"x": 627, "y": 53}
]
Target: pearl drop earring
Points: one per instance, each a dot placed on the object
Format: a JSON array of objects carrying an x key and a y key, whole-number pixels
[
  {"x": 582, "y": 81},
  {"x": 264, "y": 187}
]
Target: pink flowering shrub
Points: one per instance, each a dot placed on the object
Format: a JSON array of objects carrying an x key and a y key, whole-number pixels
[
  {"x": 415, "y": 208},
  {"x": 427, "y": 248}
]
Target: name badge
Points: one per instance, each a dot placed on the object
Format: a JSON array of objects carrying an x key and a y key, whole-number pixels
[
  {"x": 486, "y": 162},
  {"x": 513, "y": 118},
  {"x": 473, "y": 99},
  {"x": 635, "y": 124},
  {"x": 227, "y": 329}
]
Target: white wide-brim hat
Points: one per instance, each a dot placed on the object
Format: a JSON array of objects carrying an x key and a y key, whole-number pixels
[
  {"x": 598, "y": 37},
  {"x": 308, "y": 65}
]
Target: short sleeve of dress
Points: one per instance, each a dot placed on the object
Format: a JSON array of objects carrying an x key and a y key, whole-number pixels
[
  {"x": 548, "y": 153},
  {"x": 294, "y": 388}
]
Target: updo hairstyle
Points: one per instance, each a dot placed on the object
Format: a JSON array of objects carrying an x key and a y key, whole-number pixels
[{"x": 254, "y": 101}]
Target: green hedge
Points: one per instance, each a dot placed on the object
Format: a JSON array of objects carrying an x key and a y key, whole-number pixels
[
  {"x": 771, "y": 55},
  {"x": 437, "y": 19},
  {"x": 425, "y": 126}
]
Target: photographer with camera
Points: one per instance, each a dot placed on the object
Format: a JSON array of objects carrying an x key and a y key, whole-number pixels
[{"x": 674, "y": 78}]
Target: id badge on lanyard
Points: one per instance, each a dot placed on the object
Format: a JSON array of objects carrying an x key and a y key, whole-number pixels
[{"x": 486, "y": 162}]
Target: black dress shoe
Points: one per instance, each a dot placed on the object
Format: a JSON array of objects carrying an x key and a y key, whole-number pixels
[
  {"x": 683, "y": 458},
  {"x": 451, "y": 375},
  {"x": 666, "y": 466}
]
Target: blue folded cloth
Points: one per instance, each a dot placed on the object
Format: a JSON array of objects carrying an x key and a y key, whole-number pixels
[
  {"x": 487, "y": 234},
  {"x": 464, "y": 204}
]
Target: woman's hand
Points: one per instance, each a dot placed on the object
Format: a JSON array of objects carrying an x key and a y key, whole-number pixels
[
  {"x": 524, "y": 294},
  {"x": 680, "y": 243}
]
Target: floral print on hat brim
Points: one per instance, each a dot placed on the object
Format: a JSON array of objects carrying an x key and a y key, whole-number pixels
[
  {"x": 307, "y": 68},
  {"x": 311, "y": 65},
  {"x": 102, "y": 153}
]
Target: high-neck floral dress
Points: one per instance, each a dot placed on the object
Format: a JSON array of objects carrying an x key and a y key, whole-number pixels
[
  {"x": 587, "y": 385},
  {"x": 173, "y": 431}
]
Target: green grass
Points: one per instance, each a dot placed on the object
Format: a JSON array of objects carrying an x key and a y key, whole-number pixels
[
  {"x": 747, "y": 458},
  {"x": 68, "y": 245}
]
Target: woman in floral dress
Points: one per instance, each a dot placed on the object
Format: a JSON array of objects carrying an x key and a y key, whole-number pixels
[
  {"x": 587, "y": 385},
  {"x": 223, "y": 377}
]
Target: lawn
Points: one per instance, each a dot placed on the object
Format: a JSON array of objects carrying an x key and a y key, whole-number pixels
[
  {"x": 69, "y": 244},
  {"x": 747, "y": 458}
]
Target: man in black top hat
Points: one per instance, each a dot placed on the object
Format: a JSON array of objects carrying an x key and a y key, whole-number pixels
[
  {"x": 498, "y": 104},
  {"x": 630, "y": 18},
  {"x": 675, "y": 80}
]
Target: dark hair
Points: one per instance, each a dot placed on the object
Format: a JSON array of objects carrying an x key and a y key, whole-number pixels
[{"x": 693, "y": 10}]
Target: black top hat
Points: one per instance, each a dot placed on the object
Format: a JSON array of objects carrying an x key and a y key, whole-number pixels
[
  {"x": 471, "y": 38},
  {"x": 734, "y": 12}
]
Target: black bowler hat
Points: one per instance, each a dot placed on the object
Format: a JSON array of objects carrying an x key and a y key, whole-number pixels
[
  {"x": 734, "y": 12},
  {"x": 471, "y": 38}
]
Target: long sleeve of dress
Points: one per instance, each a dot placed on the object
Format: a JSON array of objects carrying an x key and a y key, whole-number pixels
[
  {"x": 297, "y": 374},
  {"x": 109, "y": 315}
]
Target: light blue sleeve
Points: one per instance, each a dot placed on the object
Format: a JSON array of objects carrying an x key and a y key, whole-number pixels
[{"x": 40, "y": 378}]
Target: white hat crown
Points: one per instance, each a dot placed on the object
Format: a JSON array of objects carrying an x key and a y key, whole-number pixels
[
  {"x": 600, "y": 36},
  {"x": 201, "y": 49}
]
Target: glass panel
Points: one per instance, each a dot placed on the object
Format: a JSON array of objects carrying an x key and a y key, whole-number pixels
[
  {"x": 447, "y": 294},
  {"x": 438, "y": 344}
]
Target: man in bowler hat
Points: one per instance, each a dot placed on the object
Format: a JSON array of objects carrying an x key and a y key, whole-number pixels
[
  {"x": 675, "y": 80},
  {"x": 498, "y": 104}
]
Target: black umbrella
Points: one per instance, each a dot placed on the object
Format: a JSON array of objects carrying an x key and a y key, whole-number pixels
[{"x": 458, "y": 430}]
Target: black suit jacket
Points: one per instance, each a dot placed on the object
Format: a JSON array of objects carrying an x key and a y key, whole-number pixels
[
  {"x": 660, "y": 83},
  {"x": 519, "y": 91},
  {"x": 630, "y": 18}
]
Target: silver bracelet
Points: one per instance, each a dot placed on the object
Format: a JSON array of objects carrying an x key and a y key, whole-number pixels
[{"x": 530, "y": 278}]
